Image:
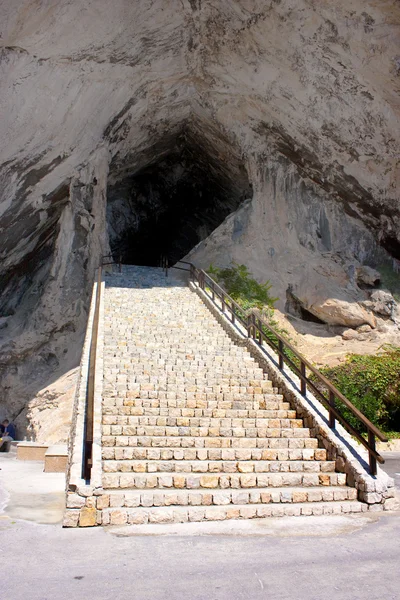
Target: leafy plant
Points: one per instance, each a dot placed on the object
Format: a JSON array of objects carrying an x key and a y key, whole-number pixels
[
  {"x": 242, "y": 287},
  {"x": 372, "y": 384},
  {"x": 249, "y": 294}
]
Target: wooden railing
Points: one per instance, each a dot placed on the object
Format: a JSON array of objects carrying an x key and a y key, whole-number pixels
[
  {"x": 89, "y": 413},
  {"x": 261, "y": 332}
]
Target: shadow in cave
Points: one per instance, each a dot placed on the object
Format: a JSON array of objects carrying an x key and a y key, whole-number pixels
[{"x": 168, "y": 207}]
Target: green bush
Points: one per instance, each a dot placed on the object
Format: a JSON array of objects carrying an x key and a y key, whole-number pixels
[
  {"x": 249, "y": 294},
  {"x": 242, "y": 287},
  {"x": 372, "y": 384}
]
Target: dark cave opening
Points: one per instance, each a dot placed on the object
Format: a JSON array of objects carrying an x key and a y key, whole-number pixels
[{"x": 170, "y": 205}]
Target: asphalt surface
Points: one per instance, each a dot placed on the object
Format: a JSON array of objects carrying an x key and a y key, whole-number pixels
[{"x": 313, "y": 558}]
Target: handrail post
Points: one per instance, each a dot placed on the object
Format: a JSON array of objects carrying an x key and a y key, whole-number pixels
[
  {"x": 281, "y": 362},
  {"x": 332, "y": 419},
  {"x": 303, "y": 383},
  {"x": 372, "y": 458}
]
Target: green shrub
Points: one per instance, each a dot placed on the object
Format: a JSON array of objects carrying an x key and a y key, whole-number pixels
[
  {"x": 249, "y": 294},
  {"x": 372, "y": 384},
  {"x": 242, "y": 287}
]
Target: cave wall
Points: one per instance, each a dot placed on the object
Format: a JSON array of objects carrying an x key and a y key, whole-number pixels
[{"x": 304, "y": 93}]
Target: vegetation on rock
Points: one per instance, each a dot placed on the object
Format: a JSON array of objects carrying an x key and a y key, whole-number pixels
[{"x": 372, "y": 384}]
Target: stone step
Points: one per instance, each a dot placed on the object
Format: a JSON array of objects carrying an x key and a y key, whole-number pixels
[
  {"x": 209, "y": 422},
  {"x": 201, "y": 497},
  {"x": 219, "y": 466},
  {"x": 182, "y": 514},
  {"x": 119, "y": 416},
  {"x": 220, "y": 480},
  {"x": 118, "y": 402},
  {"x": 213, "y": 454},
  {"x": 216, "y": 385},
  {"x": 216, "y": 432},
  {"x": 156, "y": 441}
]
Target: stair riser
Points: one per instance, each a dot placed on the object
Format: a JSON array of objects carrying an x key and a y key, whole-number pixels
[
  {"x": 113, "y": 404},
  {"x": 138, "y": 498},
  {"x": 218, "y": 480},
  {"x": 238, "y": 432},
  {"x": 208, "y": 442},
  {"x": 209, "y": 422},
  {"x": 198, "y": 466},
  {"x": 119, "y": 417},
  {"x": 213, "y": 454}
]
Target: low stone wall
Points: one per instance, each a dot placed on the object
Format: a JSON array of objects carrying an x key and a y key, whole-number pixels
[
  {"x": 350, "y": 456},
  {"x": 81, "y": 499}
]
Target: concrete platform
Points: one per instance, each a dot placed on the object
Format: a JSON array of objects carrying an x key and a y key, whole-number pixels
[
  {"x": 27, "y": 493},
  {"x": 56, "y": 459},
  {"x": 31, "y": 451}
]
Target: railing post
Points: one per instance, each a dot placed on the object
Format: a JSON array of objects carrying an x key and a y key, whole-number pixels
[
  {"x": 223, "y": 303},
  {"x": 372, "y": 459},
  {"x": 303, "y": 383},
  {"x": 249, "y": 326},
  {"x": 281, "y": 362},
  {"x": 332, "y": 419},
  {"x": 233, "y": 314},
  {"x": 259, "y": 331}
]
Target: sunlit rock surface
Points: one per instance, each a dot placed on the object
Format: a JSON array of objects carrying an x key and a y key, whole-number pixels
[{"x": 299, "y": 98}]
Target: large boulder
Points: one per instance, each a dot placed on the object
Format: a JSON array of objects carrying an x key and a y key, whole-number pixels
[
  {"x": 341, "y": 312},
  {"x": 368, "y": 276}
]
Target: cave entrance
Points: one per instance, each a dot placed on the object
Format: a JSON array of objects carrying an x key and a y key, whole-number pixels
[{"x": 168, "y": 206}]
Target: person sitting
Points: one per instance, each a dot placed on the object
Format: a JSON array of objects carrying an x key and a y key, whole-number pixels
[{"x": 8, "y": 434}]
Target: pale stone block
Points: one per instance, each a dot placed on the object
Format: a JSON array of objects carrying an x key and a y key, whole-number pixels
[
  {"x": 146, "y": 499},
  {"x": 71, "y": 518},
  {"x": 248, "y": 512},
  {"x": 75, "y": 501},
  {"x": 103, "y": 501},
  {"x": 91, "y": 502},
  {"x": 118, "y": 517},
  {"x": 180, "y": 481},
  {"x": 314, "y": 495},
  {"x": 132, "y": 500},
  {"x": 215, "y": 514},
  {"x": 222, "y": 498},
  {"x": 292, "y": 510},
  {"x": 232, "y": 512},
  {"x": 111, "y": 480},
  {"x": 247, "y": 481},
  {"x": 196, "y": 514},
  {"x": 161, "y": 515},
  {"x": 209, "y": 481},
  {"x": 137, "y": 517}
]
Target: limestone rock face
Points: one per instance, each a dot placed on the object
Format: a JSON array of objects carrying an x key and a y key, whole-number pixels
[{"x": 302, "y": 96}]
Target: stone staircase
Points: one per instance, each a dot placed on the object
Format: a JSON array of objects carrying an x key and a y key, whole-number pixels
[{"x": 192, "y": 429}]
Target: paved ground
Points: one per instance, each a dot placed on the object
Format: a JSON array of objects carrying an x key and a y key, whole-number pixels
[{"x": 340, "y": 558}]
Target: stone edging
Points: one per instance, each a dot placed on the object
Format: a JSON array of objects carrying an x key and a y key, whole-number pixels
[
  {"x": 351, "y": 458},
  {"x": 81, "y": 499}
]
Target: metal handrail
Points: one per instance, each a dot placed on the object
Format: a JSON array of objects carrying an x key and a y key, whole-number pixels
[
  {"x": 111, "y": 262},
  {"x": 256, "y": 326},
  {"x": 87, "y": 462}
]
